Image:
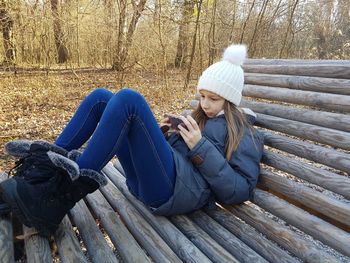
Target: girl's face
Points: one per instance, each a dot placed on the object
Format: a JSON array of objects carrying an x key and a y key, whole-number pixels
[{"x": 211, "y": 103}]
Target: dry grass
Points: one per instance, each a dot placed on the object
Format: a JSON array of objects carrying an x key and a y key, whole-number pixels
[{"x": 38, "y": 106}]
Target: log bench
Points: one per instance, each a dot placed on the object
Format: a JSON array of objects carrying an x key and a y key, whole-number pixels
[{"x": 301, "y": 207}]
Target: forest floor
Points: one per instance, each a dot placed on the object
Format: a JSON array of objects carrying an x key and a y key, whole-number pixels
[{"x": 35, "y": 105}]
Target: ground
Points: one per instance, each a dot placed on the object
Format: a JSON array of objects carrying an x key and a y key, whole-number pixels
[{"x": 35, "y": 105}]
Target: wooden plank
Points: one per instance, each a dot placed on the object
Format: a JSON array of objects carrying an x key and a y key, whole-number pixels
[
  {"x": 179, "y": 243},
  {"x": 250, "y": 236},
  {"x": 321, "y": 118},
  {"x": 330, "y": 157},
  {"x": 266, "y": 61},
  {"x": 305, "y": 250},
  {"x": 319, "y": 70},
  {"x": 37, "y": 247},
  {"x": 6, "y": 239},
  {"x": 67, "y": 243},
  {"x": 6, "y": 234},
  {"x": 320, "y": 100},
  {"x": 96, "y": 245},
  {"x": 333, "y": 208},
  {"x": 328, "y": 180},
  {"x": 310, "y": 224},
  {"x": 306, "y": 131},
  {"x": 316, "y": 84},
  {"x": 147, "y": 237},
  {"x": 128, "y": 248},
  {"x": 202, "y": 240},
  {"x": 225, "y": 238}
]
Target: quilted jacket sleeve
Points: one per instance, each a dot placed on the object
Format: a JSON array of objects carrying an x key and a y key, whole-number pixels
[{"x": 232, "y": 181}]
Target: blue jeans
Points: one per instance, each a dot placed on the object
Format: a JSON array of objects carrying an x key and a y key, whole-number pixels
[{"x": 122, "y": 124}]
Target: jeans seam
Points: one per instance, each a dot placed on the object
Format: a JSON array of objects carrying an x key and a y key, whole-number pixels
[
  {"x": 83, "y": 123},
  {"x": 154, "y": 150},
  {"x": 111, "y": 153}
]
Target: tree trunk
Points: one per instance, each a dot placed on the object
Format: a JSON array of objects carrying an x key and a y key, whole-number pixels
[
  {"x": 181, "y": 57},
  {"x": 233, "y": 22},
  {"x": 252, "y": 43},
  {"x": 246, "y": 21},
  {"x": 290, "y": 21},
  {"x": 62, "y": 51},
  {"x": 123, "y": 46},
  {"x": 7, "y": 26},
  {"x": 199, "y": 7},
  {"x": 211, "y": 36}
]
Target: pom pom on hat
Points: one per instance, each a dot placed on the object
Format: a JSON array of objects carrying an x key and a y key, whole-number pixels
[
  {"x": 226, "y": 77},
  {"x": 235, "y": 54}
]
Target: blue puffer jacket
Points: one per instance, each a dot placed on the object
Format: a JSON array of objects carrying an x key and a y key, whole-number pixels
[{"x": 203, "y": 173}]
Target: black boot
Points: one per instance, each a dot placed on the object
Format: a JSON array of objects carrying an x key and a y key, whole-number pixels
[
  {"x": 43, "y": 205},
  {"x": 44, "y": 192},
  {"x": 23, "y": 166}
]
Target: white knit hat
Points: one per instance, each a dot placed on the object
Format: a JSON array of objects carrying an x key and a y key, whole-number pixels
[{"x": 226, "y": 77}]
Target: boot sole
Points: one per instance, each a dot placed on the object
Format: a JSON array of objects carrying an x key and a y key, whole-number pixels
[{"x": 8, "y": 192}]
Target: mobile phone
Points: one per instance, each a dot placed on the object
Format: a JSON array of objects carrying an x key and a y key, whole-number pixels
[{"x": 175, "y": 121}]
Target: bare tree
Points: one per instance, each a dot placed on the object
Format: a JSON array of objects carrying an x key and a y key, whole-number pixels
[
  {"x": 211, "y": 35},
  {"x": 246, "y": 21},
  {"x": 199, "y": 8},
  {"x": 181, "y": 57},
  {"x": 289, "y": 26},
  {"x": 7, "y": 27},
  {"x": 234, "y": 11},
  {"x": 260, "y": 17},
  {"x": 124, "y": 43},
  {"x": 62, "y": 50}
]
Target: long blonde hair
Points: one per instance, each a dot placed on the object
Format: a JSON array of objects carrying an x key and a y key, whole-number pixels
[{"x": 236, "y": 124}]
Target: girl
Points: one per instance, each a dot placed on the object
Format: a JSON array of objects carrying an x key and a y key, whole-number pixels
[{"x": 214, "y": 155}]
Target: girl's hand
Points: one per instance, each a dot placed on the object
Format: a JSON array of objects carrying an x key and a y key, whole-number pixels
[
  {"x": 164, "y": 122},
  {"x": 192, "y": 134}
]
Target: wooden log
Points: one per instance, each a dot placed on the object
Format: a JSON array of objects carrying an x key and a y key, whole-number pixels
[
  {"x": 147, "y": 237},
  {"x": 328, "y": 180},
  {"x": 330, "y": 157},
  {"x": 6, "y": 234},
  {"x": 128, "y": 248},
  {"x": 179, "y": 243},
  {"x": 6, "y": 239},
  {"x": 319, "y": 70},
  {"x": 96, "y": 245},
  {"x": 259, "y": 61},
  {"x": 291, "y": 241},
  {"x": 225, "y": 238},
  {"x": 316, "y": 84},
  {"x": 327, "y": 101},
  {"x": 37, "y": 247},
  {"x": 202, "y": 240},
  {"x": 335, "y": 209},
  {"x": 310, "y": 224},
  {"x": 321, "y": 118},
  {"x": 250, "y": 236},
  {"x": 306, "y": 131},
  {"x": 67, "y": 243}
]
